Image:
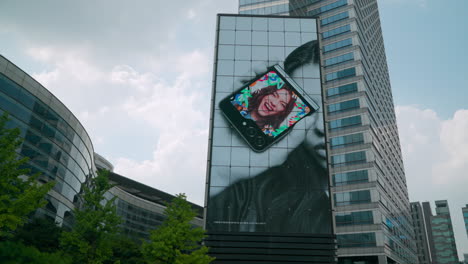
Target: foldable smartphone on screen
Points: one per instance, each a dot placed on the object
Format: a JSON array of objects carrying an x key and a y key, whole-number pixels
[{"x": 266, "y": 109}]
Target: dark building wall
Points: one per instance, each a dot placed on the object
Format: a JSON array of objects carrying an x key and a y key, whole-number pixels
[{"x": 421, "y": 236}]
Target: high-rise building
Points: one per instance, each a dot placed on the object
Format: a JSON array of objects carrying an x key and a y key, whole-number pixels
[
  {"x": 465, "y": 217},
  {"x": 370, "y": 196},
  {"x": 440, "y": 234},
  {"x": 421, "y": 236}
]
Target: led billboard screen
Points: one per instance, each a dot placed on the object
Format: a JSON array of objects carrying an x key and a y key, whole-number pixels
[{"x": 267, "y": 169}]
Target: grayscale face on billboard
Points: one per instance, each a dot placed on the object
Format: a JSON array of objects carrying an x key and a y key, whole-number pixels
[{"x": 267, "y": 169}]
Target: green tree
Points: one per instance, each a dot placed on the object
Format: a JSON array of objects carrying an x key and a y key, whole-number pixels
[
  {"x": 96, "y": 224},
  {"x": 126, "y": 251},
  {"x": 177, "y": 241},
  {"x": 41, "y": 233},
  {"x": 17, "y": 253},
  {"x": 20, "y": 193}
]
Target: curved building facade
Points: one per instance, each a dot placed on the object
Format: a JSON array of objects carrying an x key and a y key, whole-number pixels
[
  {"x": 141, "y": 207},
  {"x": 58, "y": 146}
]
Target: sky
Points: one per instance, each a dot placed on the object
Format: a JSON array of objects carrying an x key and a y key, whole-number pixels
[{"x": 138, "y": 74}]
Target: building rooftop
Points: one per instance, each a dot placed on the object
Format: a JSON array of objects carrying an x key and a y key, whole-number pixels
[{"x": 146, "y": 192}]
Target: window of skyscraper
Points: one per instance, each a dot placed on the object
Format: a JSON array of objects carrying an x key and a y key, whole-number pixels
[
  {"x": 356, "y": 240},
  {"x": 340, "y": 74},
  {"x": 335, "y": 18},
  {"x": 343, "y": 106},
  {"x": 345, "y": 122},
  {"x": 350, "y": 177},
  {"x": 356, "y": 197},
  {"x": 339, "y": 59},
  {"x": 336, "y": 31},
  {"x": 344, "y": 141},
  {"x": 338, "y": 45},
  {"x": 328, "y": 7},
  {"x": 344, "y": 89},
  {"x": 348, "y": 159},
  {"x": 354, "y": 218}
]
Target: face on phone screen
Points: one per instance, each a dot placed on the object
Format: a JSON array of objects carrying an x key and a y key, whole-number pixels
[{"x": 269, "y": 104}]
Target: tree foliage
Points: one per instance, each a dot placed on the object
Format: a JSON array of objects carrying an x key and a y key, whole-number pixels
[
  {"x": 126, "y": 251},
  {"x": 41, "y": 233},
  {"x": 176, "y": 241},
  {"x": 90, "y": 240},
  {"x": 20, "y": 193},
  {"x": 17, "y": 253}
]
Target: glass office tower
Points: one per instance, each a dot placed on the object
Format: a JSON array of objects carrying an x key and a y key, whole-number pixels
[{"x": 370, "y": 196}]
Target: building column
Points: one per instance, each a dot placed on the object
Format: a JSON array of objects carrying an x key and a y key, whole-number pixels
[{"x": 382, "y": 259}]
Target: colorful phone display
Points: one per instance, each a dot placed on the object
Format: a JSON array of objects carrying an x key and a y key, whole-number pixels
[{"x": 266, "y": 108}]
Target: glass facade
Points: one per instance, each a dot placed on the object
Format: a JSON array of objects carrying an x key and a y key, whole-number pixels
[
  {"x": 56, "y": 144},
  {"x": 268, "y": 195}
]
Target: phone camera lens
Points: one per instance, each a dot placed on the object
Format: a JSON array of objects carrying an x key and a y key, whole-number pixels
[
  {"x": 251, "y": 131},
  {"x": 259, "y": 141}
]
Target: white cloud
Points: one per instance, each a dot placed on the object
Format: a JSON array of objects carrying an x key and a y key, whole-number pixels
[
  {"x": 171, "y": 107},
  {"x": 453, "y": 167},
  {"x": 435, "y": 152},
  {"x": 434, "y": 149}
]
